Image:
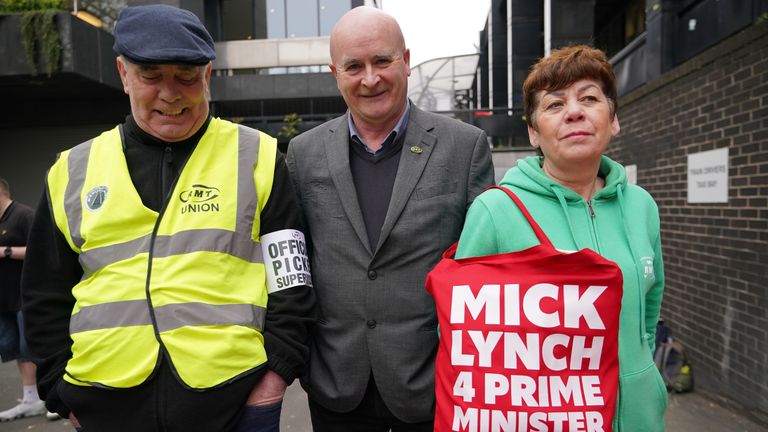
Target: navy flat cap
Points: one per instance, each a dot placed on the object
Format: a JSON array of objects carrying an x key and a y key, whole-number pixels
[{"x": 155, "y": 34}]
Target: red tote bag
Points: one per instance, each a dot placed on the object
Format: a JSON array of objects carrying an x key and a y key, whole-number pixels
[{"x": 528, "y": 339}]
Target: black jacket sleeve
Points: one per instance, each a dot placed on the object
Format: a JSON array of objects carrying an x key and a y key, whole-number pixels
[
  {"x": 290, "y": 312},
  {"x": 51, "y": 269}
]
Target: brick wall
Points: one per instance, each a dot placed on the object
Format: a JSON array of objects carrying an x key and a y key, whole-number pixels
[{"x": 716, "y": 255}]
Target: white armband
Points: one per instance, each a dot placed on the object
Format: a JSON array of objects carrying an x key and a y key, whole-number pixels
[{"x": 285, "y": 260}]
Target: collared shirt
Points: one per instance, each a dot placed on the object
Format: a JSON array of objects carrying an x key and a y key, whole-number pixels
[{"x": 397, "y": 130}]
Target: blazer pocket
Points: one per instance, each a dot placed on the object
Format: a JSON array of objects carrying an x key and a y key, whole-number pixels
[{"x": 432, "y": 190}]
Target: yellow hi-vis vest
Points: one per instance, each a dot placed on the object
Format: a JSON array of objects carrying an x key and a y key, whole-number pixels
[{"x": 190, "y": 279}]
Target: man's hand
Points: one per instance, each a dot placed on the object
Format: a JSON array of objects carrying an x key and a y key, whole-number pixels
[{"x": 269, "y": 390}]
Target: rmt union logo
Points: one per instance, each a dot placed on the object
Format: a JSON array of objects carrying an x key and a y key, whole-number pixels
[{"x": 199, "y": 198}]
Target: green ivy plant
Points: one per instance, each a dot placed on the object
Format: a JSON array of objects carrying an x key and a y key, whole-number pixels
[{"x": 39, "y": 32}]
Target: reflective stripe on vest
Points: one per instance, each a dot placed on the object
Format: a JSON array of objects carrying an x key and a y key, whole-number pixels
[
  {"x": 169, "y": 317},
  {"x": 78, "y": 161},
  {"x": 203, "y": 271},
  {"x": 210, "y": 240}
]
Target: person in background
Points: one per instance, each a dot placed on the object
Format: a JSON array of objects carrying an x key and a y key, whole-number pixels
[
  {"x": 384, "y": 190},
  {"x": 15, "y": 222},
  {"x": 581, "y": 199},
  {"x": 663, "y": 335},
  {"x": 149, "y": 292}
]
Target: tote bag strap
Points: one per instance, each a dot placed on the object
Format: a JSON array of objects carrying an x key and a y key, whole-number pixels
[{"x": 543, "y": 239}]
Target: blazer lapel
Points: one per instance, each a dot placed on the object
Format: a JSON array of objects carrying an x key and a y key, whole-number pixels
[
  {"x": 417, "y": 147},
  {"x": 337, "y": 152}
]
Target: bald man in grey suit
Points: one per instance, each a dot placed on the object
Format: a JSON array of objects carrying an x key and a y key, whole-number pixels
[{"x": 384, "y": 190}]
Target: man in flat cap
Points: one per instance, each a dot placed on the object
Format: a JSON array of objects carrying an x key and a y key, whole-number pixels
[{"x": 166, "y": 285}]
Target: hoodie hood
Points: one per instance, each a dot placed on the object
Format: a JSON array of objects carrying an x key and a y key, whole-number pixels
[
  {"x": 535, "y": 180},
  {"x": 530, "y": 177}
]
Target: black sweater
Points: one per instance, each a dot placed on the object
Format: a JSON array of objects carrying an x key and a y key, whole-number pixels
[{"x": 51, "y": 267}]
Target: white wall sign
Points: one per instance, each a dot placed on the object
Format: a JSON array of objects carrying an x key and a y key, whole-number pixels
[
  {"x": 631, "y": 171},
  {"x": 708, "y": 176}
]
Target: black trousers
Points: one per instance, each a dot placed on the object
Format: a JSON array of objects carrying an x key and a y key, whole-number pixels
[
  {"x": 372, "y": 415},
  {"x": 159, "y": 405}
]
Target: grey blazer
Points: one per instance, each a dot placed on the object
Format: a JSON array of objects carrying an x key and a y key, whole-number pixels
[{"x": 375, "y": 315}]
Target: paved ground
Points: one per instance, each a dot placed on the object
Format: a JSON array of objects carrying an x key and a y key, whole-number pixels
[
  {"x": 295, "y": 417},
  {"x": 690, "y": 412}
]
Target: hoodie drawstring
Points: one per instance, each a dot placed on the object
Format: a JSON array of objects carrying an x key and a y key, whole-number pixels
[
  {"x": 636, "y": 259},
  {"x": 564, "y": 205}
]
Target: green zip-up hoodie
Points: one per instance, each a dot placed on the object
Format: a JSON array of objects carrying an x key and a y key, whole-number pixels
[{"x": 621, "y": 223}]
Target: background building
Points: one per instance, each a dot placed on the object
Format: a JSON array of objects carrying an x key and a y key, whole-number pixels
[{"x": 272, "y": 59}]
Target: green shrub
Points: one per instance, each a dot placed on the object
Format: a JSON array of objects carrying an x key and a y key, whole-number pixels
[{"x": 15, "y": 6}]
